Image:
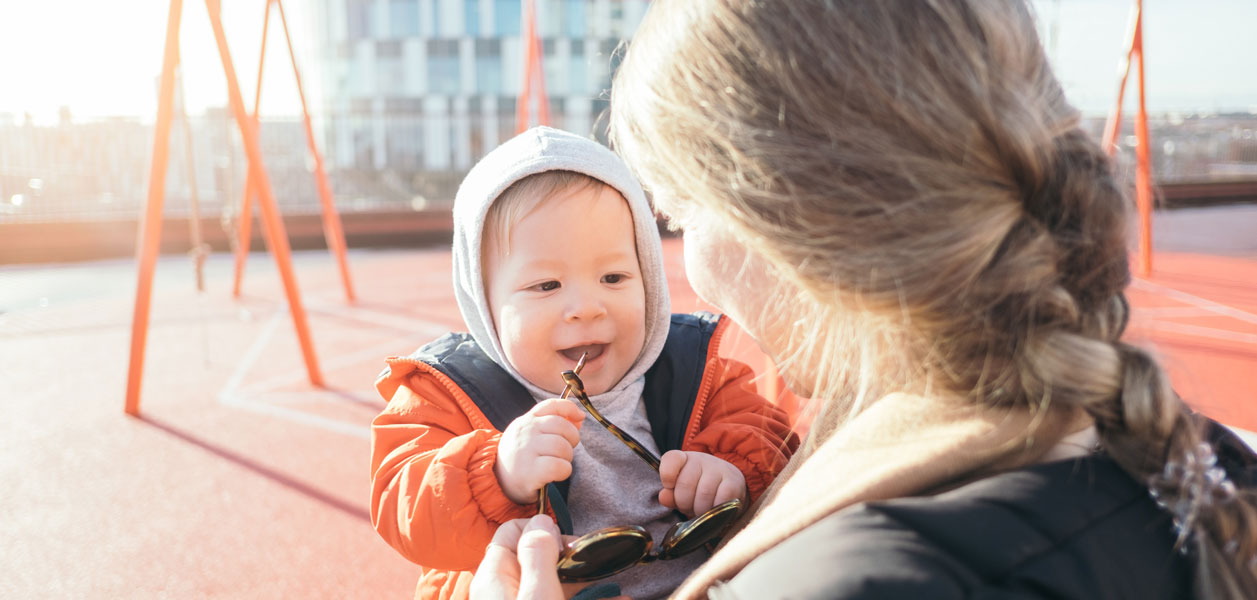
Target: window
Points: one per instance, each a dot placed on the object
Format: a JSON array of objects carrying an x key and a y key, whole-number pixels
[
  {"x": 506, "y": 117},
  {"x": 551, "y": 68},
  {"x": 506, "y": 17},
  {"x": 403, "y": 18},
  {"x": 388, "y": 49},
  {"x": 444, "y": 76},
  {"x": 404, "y": 141},
  {"x": 574, "y": 23},
  {"x": 488, "y": 66},
  {"x": 471, "y": 17},
  {"x": 549, "y": 17},
  {"x": 577, "y": 81},
  {"x": 358, "y": 15}
]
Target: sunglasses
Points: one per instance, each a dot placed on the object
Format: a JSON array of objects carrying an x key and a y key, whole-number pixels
[{"x": 611, "y": 550}]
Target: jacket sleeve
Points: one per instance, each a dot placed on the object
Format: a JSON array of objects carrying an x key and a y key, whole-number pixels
[
  {"x": 434, "y": 496},
  {"x": 740, "y": 426}
]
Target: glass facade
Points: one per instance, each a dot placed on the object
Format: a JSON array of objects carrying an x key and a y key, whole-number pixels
[
  {"x": 426, "y": 87},
  {"x": 444, "y": 75},
  {"x": 506, "y": 17},
  {"x": 488, "y": 66},
  {"x": 403, "y": 18}
]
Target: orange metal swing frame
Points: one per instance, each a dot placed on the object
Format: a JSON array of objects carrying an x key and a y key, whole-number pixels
[
  {"x": 333, "y": 233},
  {"x": 1143, "y": 168},
  {"x": 276, "y": 236}
]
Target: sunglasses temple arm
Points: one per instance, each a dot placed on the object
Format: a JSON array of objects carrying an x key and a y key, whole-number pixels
[
  {"x": 574, "y": 385},
  {"x": 635, "y": 446},
  {"x": 624, "y": 436}
]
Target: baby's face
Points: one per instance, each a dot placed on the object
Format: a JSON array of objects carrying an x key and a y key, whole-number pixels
[{"x": 569, "y": 283}]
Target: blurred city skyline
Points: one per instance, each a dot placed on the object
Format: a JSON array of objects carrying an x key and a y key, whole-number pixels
[{"x": 99, "y": 60}]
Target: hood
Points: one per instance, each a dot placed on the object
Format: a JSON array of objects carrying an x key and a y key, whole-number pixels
[{"x": 538, "y": 150}]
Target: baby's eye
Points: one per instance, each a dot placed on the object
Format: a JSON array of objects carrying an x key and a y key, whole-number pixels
[
  {"x": 547, "y": 286},
  {"x": 612, "y": 278}
]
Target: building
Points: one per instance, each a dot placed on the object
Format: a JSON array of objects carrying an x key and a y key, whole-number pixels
[{"x": 416, "y": 91}]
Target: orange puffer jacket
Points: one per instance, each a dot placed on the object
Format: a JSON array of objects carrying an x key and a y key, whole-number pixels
[{"x": 434, "y": 496}]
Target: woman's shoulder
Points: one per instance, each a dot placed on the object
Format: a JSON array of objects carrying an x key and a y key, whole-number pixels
[{"x": 1076, "y": 529}]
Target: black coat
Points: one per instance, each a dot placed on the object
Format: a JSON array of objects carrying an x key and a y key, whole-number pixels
[{"x": 1079, "y": 528}]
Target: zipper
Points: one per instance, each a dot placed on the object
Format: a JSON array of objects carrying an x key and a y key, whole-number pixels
[
  {"x": 700, "y": 403},
  {"x": 475, "y": 416}
]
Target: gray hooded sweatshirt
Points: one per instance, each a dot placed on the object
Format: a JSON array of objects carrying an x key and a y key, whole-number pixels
[{"x": 610, "y": 485}]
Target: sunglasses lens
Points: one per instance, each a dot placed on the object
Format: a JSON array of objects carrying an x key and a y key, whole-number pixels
[
  {"x": 687, "y": 536},
  {"x": 603, "y": 553}
]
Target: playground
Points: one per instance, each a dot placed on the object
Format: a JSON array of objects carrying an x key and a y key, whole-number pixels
[
  {"x": 200, "y": 427},
  {"x": 239, "y": 478}
]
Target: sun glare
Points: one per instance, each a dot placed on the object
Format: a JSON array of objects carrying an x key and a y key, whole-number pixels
[{"x": 104, "y": 58}]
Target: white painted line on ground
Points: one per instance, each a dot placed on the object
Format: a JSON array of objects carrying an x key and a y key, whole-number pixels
[
  {"x": 1197, "y": 331},
  {"x": 1171, "y": 312},
  {"x": 1221, "y": 309},
  {"x": 378, "y": 352},
  {"x": 359, "y": 431},
  {"x": 403, "y": 324},
  {"x": 258, "y": 396},
  {"x": 251, "y": 355}
]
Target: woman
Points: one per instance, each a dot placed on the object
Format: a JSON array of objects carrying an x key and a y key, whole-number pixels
[{"x": 929, "y": 247}]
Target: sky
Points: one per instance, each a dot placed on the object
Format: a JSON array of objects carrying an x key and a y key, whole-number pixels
[{"x": 103, "y": 57}]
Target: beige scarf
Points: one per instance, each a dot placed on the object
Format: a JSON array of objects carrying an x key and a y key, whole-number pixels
[{"x": 899, "y": 446}]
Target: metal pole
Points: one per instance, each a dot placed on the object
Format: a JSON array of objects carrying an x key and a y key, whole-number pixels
[
  {"x": 246, "y": 205},
  {"x": 1143, "y": 162},
  {"x": 332, "y": 231},
  {"x": 150, "y": 228},
  {"x": 270, "y": 211}
]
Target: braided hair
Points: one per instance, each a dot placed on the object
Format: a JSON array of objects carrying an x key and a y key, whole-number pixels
[{"x": 914, "y": 169}]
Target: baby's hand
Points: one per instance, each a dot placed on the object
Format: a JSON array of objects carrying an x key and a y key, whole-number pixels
[
  {"x": 693, "y": 482},
  {"x": 536, "y": 448}
]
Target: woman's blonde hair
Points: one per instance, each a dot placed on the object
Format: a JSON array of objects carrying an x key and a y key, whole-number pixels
[{"x": 913, "y": 170}]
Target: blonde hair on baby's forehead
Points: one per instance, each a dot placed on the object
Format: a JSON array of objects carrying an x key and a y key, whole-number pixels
[{"x": 525, "y": 195}]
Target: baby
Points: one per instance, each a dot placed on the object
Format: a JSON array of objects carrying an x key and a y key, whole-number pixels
[{"x": 557, "y": 255}]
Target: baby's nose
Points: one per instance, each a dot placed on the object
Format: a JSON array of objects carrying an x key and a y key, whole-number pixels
[{"x": 583, "y": 307}]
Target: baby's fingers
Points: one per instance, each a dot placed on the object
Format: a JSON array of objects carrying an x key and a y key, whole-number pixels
[
  {"x": 552, "y": 445},
  {"x": 549, "y": 468},
  {"x": 557, "y": 426},
  {"x": 732, "y": 488},
  {"x": 705, "y": 492},
  {"x": 670, "y": 465},
  {"x": 562, "y": 408},
  {"x": 667, "y": 498}
]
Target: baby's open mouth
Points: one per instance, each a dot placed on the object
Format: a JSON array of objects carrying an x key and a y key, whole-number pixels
[{"x": 574, "y": 353}]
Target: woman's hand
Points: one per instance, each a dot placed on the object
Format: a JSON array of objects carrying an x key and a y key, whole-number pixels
[
  {"x": 520, "y": 562},
  {"x": 693, "y": 482},
  {"x": 536, "y": 448}
]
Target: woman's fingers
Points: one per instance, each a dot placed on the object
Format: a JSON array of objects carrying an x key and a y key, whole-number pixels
[
  {"x": 538, "y": 552},
  {"x": 497, "y": 578},
  {"x": 520, "y": 562}
]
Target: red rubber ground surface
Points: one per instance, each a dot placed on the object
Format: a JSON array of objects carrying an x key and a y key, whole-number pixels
[{"x": 242, "y": 480}]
